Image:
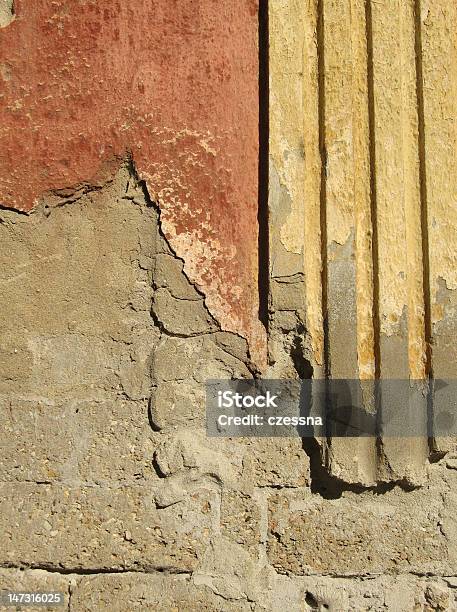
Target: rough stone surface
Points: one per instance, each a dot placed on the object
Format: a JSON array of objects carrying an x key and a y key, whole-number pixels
[
  {"x": 240, "y": 520},
  {"x": 150, "y": 592},
  {"x": 271, "y": 462},
  {"x": 95, "y": 528},
  {"x": 82, "y": 471},
  {"x": 73, "y": 441},
  {"x": 338, "y": 537},
  {"x": 206, "y": 591},
  {"x": 36, "y": 580}
]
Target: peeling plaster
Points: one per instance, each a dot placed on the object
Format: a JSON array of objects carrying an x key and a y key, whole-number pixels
[{"x": 105, "y": 84}]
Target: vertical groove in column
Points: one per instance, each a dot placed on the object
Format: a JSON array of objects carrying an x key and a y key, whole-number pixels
[
  {"x": 323, "y": 183},
  {"x": 380, "y": 456},
  {"x": 423, "y": 190},
  {"x": 323, "y": 206},
  {"x": 424, "y": 221},
  {"x": 373, "y": 199}
]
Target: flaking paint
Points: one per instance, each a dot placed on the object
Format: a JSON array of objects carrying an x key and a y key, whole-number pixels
[{"x": 174, "y": 84}]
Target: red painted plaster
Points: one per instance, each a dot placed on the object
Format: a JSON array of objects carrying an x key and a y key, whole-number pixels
[{"x": 174, "y": 82}]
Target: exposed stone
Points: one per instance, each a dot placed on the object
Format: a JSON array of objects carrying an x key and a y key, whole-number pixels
[
  {"x": 235, "y": 584},
  {"x": 397, "y": 593},
  {"x": 47, "y": 441},
  {"x": 30, "y": 581},
  {"x": 190, "y": 449},
  {"x": 232, "y": 344},
  {"x": 84, "y": 332},
  {"x": 308, "y": 535},
  {"x": 181, "y": 316},
  {"x": 271, "y": 462},
  {"x": 437, "y": 598},
  {"x": 158, "y": 592},
  {"x": 84, "y": 527},
  {"x": 168, "y": 274},
  {"x": 240, "y": 520},
  {"x": 181, "y": 368},
  {"x": 229, "y": 570}
]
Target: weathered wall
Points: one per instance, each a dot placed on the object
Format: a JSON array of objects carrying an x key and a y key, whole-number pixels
[
  {"x": 84, "y": 83},
  {"x": 105, "y": 466},
  {"x": 110, "y": 489},
  {"x": 110, "y": 320}
]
